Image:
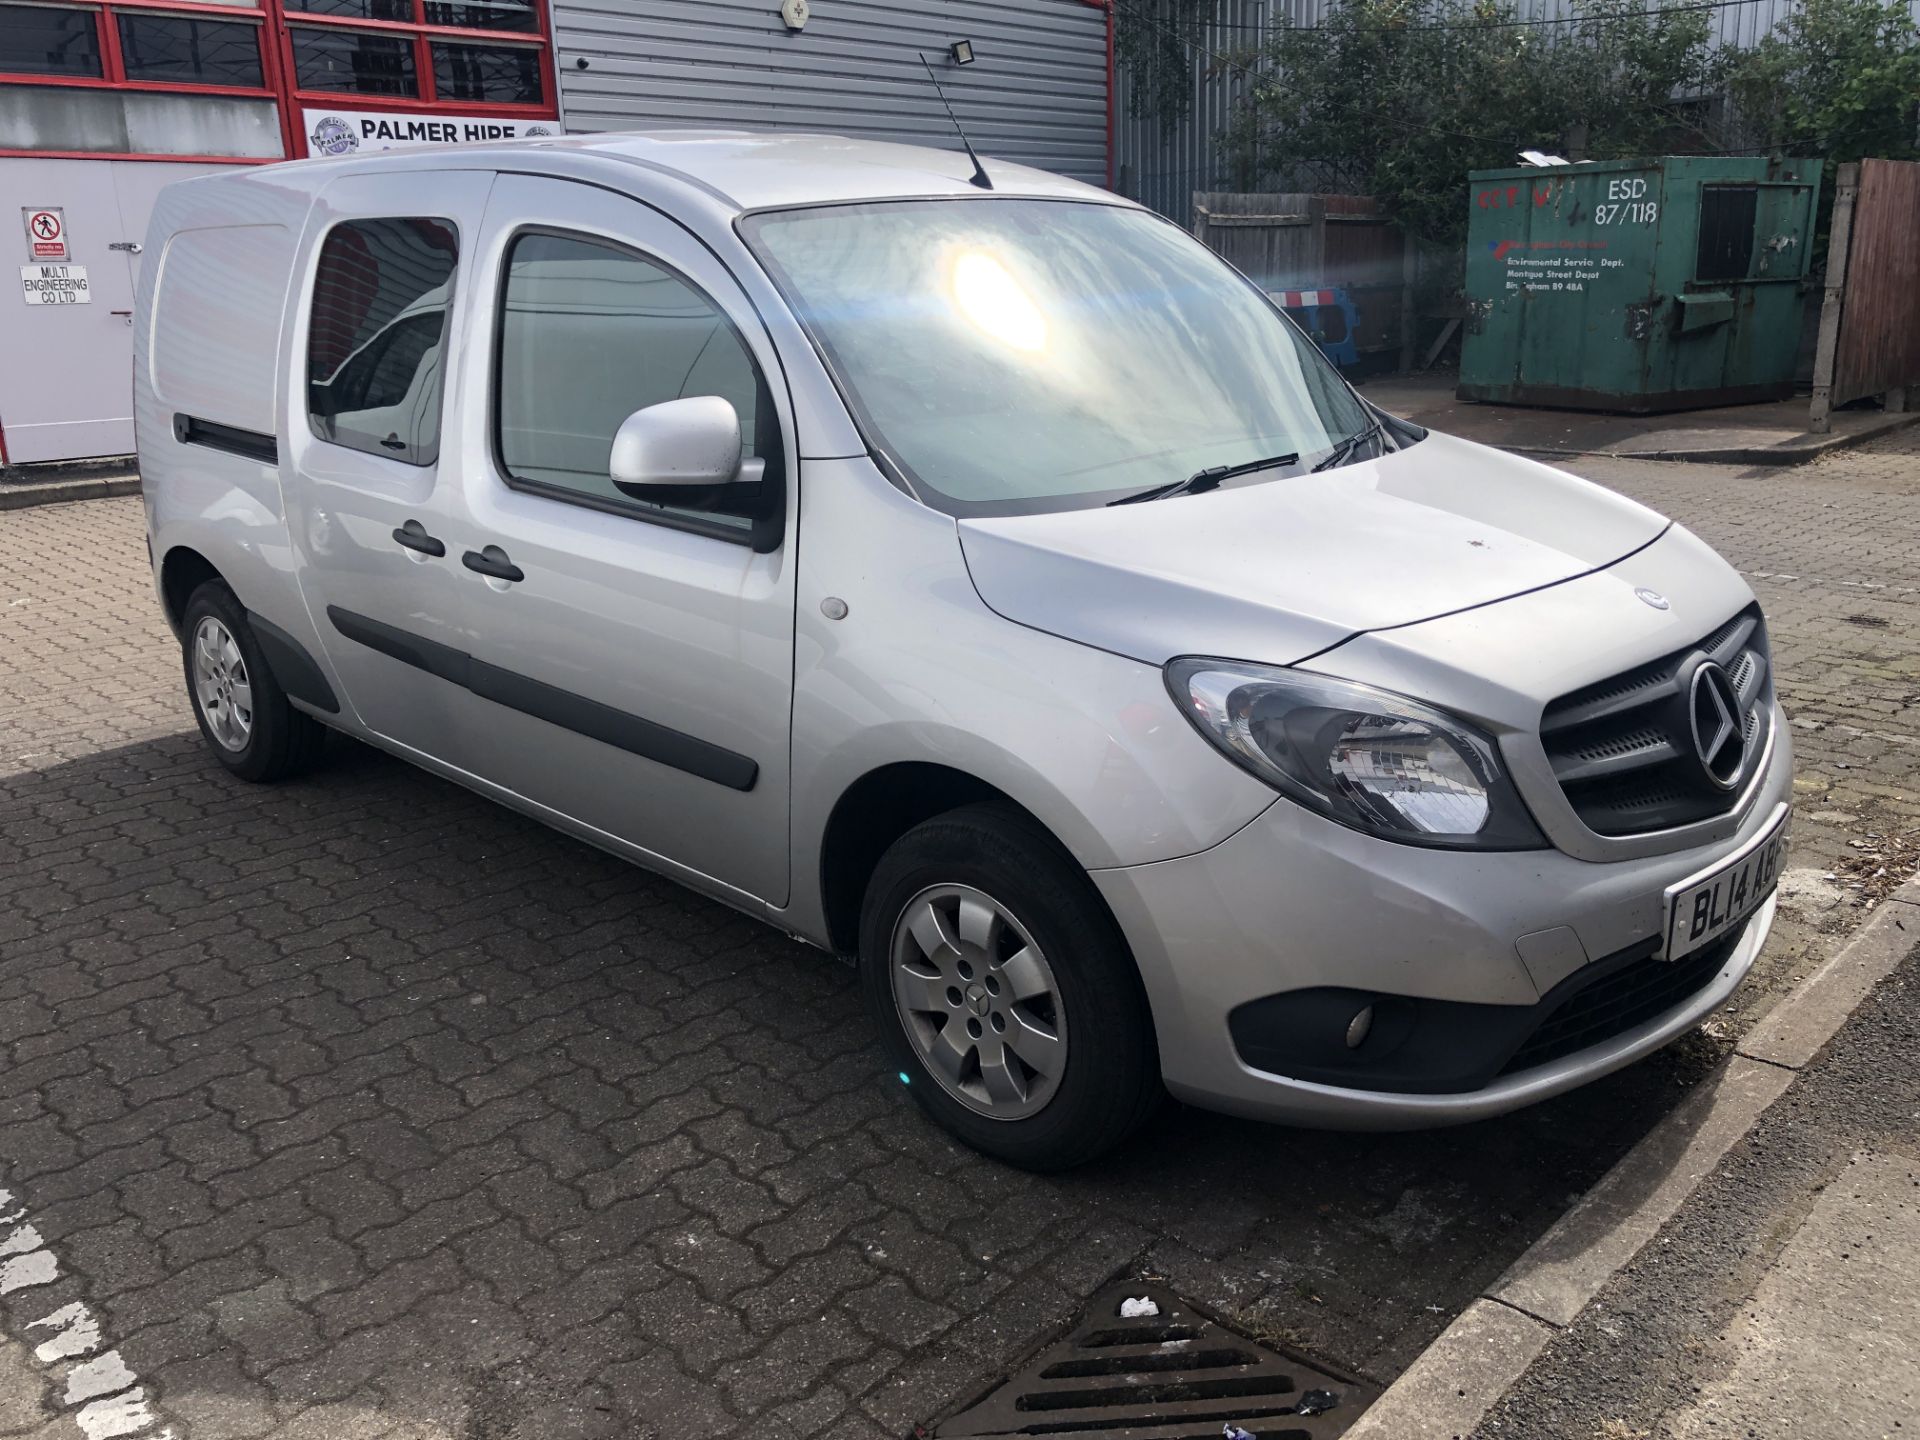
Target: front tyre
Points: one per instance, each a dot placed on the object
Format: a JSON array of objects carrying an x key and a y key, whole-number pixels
[
  {"x": 243, "y": 713},
  {"x": 1004, "y": 992}
]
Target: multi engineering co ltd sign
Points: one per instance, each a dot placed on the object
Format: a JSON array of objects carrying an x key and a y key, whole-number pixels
[{"x": 347, "y": 132}]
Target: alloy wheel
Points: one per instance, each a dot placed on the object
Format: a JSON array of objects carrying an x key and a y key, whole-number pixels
[
  {"x": 221, "y": 684},
  {"x": 978, "y": 1001}
]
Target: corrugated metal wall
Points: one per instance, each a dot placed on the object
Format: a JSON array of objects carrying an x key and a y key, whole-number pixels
[
  {"x": 1162, "y": 167},
  {"x": 1037, "y": 92}
]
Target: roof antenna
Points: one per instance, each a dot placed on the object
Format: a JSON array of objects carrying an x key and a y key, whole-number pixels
[{"x": 980, "y": 176}]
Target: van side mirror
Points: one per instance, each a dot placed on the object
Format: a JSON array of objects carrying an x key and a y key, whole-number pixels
[{"x": 677, "y": 445}]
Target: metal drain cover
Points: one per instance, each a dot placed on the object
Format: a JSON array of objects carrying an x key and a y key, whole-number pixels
[{"x": 1170, "y": 1375}]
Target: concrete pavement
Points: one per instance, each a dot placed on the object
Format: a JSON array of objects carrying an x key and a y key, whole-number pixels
[
  {"x": 1772, "y": 434},
  {"x": 1783, "y": 1299}
]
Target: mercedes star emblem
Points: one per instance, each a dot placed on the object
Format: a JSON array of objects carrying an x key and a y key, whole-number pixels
[{"x": 1717, "y": 739}]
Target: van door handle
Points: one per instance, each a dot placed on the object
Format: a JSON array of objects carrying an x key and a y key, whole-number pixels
[
  {"x": 492, "y": 561},
  {"x": 414, "y": 536}
]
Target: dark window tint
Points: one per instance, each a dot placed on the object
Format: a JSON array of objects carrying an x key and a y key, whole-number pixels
[
  {"x": 500, "y": 74},
  {"x": 345, "y": 60},
  {"x": 35, "y": 40},
  {"x": 1725, "y": 250},
  {"x": 591, "y": 334},
  {"x": 516, "y": 15},
  {"x": 357, "y": 9},
  {"x": 376, "y": 338},
  {"x": 196, "y": 52}
]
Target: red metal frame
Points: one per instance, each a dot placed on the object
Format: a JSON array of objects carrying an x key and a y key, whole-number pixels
[
  {"x": 274, "y": 17},
  {"x": 113, "y": 60},
  {"x": 1109, "y": 7},
  {"x": 1110, "y": 83}
]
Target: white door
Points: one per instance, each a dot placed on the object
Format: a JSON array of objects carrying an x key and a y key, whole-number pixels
[{"x": 66, "y": 371}]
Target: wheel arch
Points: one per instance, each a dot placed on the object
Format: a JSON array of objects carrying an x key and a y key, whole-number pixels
[
  {"x": 183, "y": 570},
  {"x": 876, "y": 810}
]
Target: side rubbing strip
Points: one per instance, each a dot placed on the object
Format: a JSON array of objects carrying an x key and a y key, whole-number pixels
[
  {"x": 546, "y": 702},
  {"x": 230, "y": 438},
  {"x": 407, "y": 648},
  {"x": 612, "y": 727}
]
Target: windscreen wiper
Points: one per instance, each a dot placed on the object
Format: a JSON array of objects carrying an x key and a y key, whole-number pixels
[
  {"x": 1341, "y": 452},
  {"x": 1203, "y": 480}
]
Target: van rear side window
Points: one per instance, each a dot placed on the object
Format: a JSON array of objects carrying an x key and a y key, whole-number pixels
[{"x": 377, "y": 336}]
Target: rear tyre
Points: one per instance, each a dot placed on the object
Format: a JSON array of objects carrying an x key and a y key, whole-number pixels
[
  {"x": 243, "y": 713},
  {"x": 1004, "y": 992}
]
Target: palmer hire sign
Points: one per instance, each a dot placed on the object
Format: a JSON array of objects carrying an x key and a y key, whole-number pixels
[{"x": 346, "y": 132}]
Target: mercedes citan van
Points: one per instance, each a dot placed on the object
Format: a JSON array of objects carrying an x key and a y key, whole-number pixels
[{"x": 970, "y": 574}]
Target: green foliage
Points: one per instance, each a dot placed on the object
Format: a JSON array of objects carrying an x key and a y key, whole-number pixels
[
  {"x": 1400, "y": 98},
  {"x": 1836, "y": 78}
]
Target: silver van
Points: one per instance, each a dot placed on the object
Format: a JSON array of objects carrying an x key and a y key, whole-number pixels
[{"x": 973, "y": 576}]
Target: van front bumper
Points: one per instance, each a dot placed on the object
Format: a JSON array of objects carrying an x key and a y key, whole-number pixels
[{"x": 1259, "y": 954}]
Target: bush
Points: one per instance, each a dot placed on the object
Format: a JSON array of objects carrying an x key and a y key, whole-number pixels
[
  {"x": 1836, "y": 78},
  {"x": 1399, "y": 99}
]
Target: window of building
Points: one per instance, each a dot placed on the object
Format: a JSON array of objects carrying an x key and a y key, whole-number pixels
[
  {"x": 45, "y": 40},
  {"x": 356, "y": 61},
  {"x": 93, "y": 118},
  {"x": 496, "y": 74},
  {"x": 190, "y": 50},
  {"x": 376, "y": 336},
  {"x": 454, "y": 51},
  {"x": 515, "y": 15},
  {"x": 150, "y": 79},
  {"x": 393, "y": 10},
  {"x": 590, "y": 333}
]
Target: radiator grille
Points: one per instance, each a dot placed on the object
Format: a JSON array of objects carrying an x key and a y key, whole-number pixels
[{"x": 1625, "y": 750}]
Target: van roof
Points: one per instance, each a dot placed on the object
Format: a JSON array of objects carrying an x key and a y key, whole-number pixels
[{"x": 759, "y": 169}]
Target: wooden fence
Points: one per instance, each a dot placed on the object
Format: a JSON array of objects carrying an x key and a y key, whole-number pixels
[
  {"x": 1311, "y": 242},
  {"x": 1870, "y": 322}
]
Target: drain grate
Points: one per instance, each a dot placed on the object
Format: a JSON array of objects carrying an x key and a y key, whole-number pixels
[{"x": 1170, "y": 1375}]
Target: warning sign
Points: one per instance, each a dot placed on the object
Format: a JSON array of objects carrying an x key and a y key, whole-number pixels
[
  {"x": 46, "y": 231},
  {"x": 55, "y": 285}
]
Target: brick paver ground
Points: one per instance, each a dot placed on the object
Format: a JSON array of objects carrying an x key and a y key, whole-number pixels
[{"x": 361, "y": 1107}]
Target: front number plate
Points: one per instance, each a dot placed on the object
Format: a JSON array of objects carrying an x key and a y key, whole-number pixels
[{"x": 1708, "y": 908}]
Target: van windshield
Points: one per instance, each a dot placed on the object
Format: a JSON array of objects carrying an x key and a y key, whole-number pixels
[{"x": 1025, "y": 355}]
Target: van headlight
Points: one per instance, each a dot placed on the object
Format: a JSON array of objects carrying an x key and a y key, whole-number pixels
[{"x": 1370, "y": 759}]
